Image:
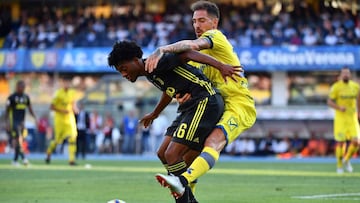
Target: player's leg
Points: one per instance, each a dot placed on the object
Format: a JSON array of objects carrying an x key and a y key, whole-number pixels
[
  {"x": 352, "y": 149},
  {"x": 189, "y": 157},
  {"x": 353, "y": 146},
  {"x": 194, "y": 129},
  {"x": 17, "y": 134},
  {"x": 340, "y": 144},
  {"x": 23, "y": 133},
  {"x": 72, "y": 132},
  {"x": 72, "y": 149},
  {"x": 176, "y": 165},
  {"x": 161, "y": 151},
  {"x": 58, "y": 139}
]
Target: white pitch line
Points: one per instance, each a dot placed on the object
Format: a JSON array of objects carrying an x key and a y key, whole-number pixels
[{"x": 329, "y": 196}]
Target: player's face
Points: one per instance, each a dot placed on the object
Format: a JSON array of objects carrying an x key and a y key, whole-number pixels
[
  {"x": 202, "y": 22},
  {"x": 129, "y": 70},
  {"x": 20, "y": 87},
  {"x": 345, "y": 75}
]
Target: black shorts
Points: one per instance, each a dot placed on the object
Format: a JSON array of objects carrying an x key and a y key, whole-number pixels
[
  {"x": 194, "y": 125},
  {"x": 17, "y": 128}
]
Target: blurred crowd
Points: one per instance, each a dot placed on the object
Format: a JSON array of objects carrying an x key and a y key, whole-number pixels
[{"x": 45, "y": 27}]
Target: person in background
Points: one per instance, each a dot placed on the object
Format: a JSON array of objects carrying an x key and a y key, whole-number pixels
[
  {"x": 65, "y": 108},
  {"x": 130, "y": 127},
  {"x": 157, "y": 131},
  {"x": 96, "y": 122},
  {"x": 344, "y": 99},
  {"x": 42, "y": 128},
  {"x": 145, "y": 139},
  {"x": 16, "y": 105},
  {"x": 83, "y": 125},
  {"x": 107, "y": 143}
]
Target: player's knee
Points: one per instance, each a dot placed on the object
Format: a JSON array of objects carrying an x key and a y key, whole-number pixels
[
  {"x": 161, "y": 155},
  {"x": 172, "y": 156},
  {"x": 216, "y": 141}
]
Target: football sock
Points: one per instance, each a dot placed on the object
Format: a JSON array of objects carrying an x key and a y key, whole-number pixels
[
  {"x": 339, "y": 152},
  {"x": 166, "y": 166},
  {"x": 193, "y": 185},
  {"x": 185, "y": 197},
  {"x": 72, "y": 151},
  {"x": 351, "y": 151},
  {"x": 203, "y": 163},
  {"x": 178, "y": 168},
  {"x": 51, "y": 147},
  {"x": 16, "y": 155}
]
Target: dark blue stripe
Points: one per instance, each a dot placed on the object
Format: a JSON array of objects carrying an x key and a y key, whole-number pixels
[{"x": 208, "y": 158}]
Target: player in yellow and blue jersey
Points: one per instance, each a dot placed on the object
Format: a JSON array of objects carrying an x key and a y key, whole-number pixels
[
  {"x": 64, "y": 106},
  {"x": 344, "y": 99},
  {"x": 239, "y": 114}
]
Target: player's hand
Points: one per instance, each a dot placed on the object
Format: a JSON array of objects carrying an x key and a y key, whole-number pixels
[
  {"x": 342, "y": 108},
  {"x": 230, "y": 71},
  {"x": 182, "y": 99},
  {"x": 152, "y": 61},
  {"x": 148, "y": 119}
]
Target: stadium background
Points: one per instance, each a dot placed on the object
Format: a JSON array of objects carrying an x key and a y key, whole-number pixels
[{"x": 289, "y": 77}]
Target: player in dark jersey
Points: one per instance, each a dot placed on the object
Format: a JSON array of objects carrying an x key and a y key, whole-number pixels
[
  {"x": 16, "y": 106},
  {"x": 197, "y": 117}
]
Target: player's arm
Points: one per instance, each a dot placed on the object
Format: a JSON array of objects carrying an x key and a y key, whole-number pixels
[
  {"x": 331, "y": 103},
  {"x": 58, "y": 110},
  {"x": 163, "y": 102},
  {"x": 225, "y": 70},
  {"x": 7, "y": 112},
  {"x": 177, "y": 47},
  {"x": 358, "y": 104},
  {"x": 31, "y": 110}
]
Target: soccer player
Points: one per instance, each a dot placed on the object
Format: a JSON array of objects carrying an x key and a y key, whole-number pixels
[
  {"x": 344, "y": 99},
  {"x": 173, "y": 75},
  {"x": 16, "y": 106},
  {"x": 64, "y": 106},
  {"x": 240, "y": 112}
]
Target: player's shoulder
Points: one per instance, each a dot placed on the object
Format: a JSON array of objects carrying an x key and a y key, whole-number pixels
[
  {"x": 11, "y": 96},
  {"x": 354, "y": 83},
  {"x": 213, "y": 33}
]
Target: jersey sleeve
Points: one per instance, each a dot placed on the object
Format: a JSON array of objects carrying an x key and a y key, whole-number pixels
[{"x": 8, "y": 102}]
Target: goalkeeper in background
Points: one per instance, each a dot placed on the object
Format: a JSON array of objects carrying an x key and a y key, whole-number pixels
[{"x": 344, "y": 98}]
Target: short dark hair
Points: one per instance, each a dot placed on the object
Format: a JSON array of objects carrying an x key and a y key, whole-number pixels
[
  {"x": 210, "y": 7},
  {"x": 345, "y": 67},
  {"x": 124, "y": 51}
]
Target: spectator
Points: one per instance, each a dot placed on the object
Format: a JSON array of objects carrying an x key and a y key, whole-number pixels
[
  {"x": 157, "y": 131},
  {"x": 130, "y": 125},
  {"x": 267, "y": 145},
  {"x": 95, "y": 130},
  {"x": 107, "y": 144},
  {"x": 83, "y": 124},
  {"x": 42, "y": 129}
]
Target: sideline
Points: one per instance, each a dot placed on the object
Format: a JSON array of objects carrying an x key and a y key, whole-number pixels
[{"x": 345, "y": 196}]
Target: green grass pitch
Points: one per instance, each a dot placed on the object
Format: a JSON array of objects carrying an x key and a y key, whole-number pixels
[{"x": 134, "y": 182}]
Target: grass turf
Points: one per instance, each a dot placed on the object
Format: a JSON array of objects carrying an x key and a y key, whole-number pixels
[{"x": 134, "y": 182}]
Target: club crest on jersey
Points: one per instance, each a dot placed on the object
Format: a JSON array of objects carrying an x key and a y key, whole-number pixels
[{"x": 232, "y": 123}]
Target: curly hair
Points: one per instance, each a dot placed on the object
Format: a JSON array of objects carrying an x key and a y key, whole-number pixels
[
  {"x": 210, "y": 7},
  {"x": 124, "y": 51}
]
